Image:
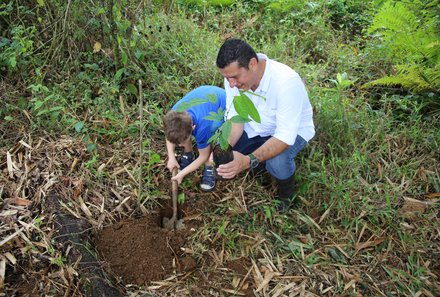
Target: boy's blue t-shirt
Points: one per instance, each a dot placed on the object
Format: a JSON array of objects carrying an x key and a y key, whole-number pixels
[{"x": 204, "y": 128}]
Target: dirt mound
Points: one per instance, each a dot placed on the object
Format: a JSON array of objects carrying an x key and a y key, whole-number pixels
[{"x": 140, "y": 251}]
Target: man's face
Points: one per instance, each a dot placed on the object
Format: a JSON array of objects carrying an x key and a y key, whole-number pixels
[{"x": 240, "y": 77}]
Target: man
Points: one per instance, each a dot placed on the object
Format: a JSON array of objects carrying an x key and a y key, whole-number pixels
[
  {"x": 181, "y": 125},
  {"x": 286, "y": 114}
]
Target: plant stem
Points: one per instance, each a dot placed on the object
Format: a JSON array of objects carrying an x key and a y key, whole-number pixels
[{"x": 141, "y": 133}]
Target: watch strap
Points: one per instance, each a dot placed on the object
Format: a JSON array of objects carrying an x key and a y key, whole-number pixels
[{"x": 253, "y": 162}]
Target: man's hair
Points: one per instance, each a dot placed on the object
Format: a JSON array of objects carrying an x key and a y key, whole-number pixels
[
  {"x": 235, "y": 50},
  {"x": 178, "y": 126}
]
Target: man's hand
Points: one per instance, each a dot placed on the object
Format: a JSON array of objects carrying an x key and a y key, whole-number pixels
[
  {"x": 231, "y": 169},
  {"x": 172, "y": 163}
]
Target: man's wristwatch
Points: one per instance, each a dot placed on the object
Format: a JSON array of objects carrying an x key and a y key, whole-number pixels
[{"x": 253, "y": 161}]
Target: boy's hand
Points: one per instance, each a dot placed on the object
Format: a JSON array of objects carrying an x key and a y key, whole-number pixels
[
  {"x": 172, "y": 163},
  {"x": 178, "y": 177}
]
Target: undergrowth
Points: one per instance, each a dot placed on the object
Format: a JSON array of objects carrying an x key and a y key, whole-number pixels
[{"x": 367, "y": 218}]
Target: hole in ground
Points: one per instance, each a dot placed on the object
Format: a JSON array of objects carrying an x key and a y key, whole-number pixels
[{"x": 139, "y": 251}]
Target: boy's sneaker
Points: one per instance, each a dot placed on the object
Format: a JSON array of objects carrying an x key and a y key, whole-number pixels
[
  {"x": 208, "y": 179},
  {"x": 186, "y": 159}
]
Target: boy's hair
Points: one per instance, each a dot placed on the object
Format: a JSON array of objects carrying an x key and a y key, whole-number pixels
[
  {"x": 235, "y": 50},
  {"x": 178, "y": 126}
]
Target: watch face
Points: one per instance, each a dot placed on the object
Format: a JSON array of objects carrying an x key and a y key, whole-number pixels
[{"x": 254, "y": 163}]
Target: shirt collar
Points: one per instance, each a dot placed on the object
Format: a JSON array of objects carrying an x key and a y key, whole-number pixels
[{"x": 263, "y": 87}]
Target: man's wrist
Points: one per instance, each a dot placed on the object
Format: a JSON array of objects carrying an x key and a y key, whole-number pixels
[{"x": 253, "y": 161}]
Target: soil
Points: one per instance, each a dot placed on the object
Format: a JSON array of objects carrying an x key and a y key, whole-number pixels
[
  {"x": 222, "y": 156},
  {"x": 140, "y": 251}
]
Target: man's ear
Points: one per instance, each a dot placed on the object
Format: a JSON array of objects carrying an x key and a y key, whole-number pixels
[{"x": 253, "y": 64}]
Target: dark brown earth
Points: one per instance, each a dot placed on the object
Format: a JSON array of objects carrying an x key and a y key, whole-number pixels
[{"x": 140, "y": 251}]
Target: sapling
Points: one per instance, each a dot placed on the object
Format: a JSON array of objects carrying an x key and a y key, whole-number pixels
[{"x": 246, "y": 111}]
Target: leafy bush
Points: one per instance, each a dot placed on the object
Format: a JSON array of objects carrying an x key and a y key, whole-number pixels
[
  {"x": 406, "y": 35},
  {"x": 163, "y": 49}
]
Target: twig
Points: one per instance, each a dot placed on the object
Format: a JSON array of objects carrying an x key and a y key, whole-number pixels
[
  {"x": 141, "y": 129},
  {"x": 11, "y": 236}
]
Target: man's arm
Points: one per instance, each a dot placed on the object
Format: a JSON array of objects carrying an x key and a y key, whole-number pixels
[
  {"x": 236, "y": 132},
  {"x": 271, "y": 148}
]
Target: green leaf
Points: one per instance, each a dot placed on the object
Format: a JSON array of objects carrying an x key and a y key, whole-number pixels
[
  {"x": 8, "y": 118},
  {"x": 245, "y": 107},
  {"x": 193, "y": 102},
  {"x": 38, "y": 104},
  {"x": 12, "y": 61},
  {"x": 91, "y": 147},
  {"x": 226, "y": 130},
  {"x": 124, "y": 58},
  {"x": 100, "y": 11},
  {"x": 139, "y": 54},
  {"x": 224, "y": 143},
  {"x": 212, "y": 98},
  {"x": 22, "y": 103},
  {"x": 119, "y": 73},
  {"x": 214, "y": 116},
  {"x": 154, "y": 159},
  {"x": 132, "y": 89},
  {"x": 40, "y": 2},
  {"x": 181, "y": 198},
  {"x": 93, "y": 66},
  {"x": 43, "y": 111},
  {"x": 79, "y": 126},
  {"x": 56, "y": 108},
  {"x": 214, "y": 138},
  {"x": 238, "y": 119},
  {"x": 337, "y": 255}
]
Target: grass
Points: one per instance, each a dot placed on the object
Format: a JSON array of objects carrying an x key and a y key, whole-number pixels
[{"x": 368, "y": 182}]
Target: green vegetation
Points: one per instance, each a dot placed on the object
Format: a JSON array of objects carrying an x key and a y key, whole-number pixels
[
  {"x": 369, "y": 182},
  {"x": 246, "y": 112}
]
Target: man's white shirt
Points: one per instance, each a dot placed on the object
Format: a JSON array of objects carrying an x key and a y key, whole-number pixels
[{"x": 285, "y": 108}]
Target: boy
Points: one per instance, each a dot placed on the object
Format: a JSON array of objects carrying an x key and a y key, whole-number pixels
[{"x": 180, "y": 125}]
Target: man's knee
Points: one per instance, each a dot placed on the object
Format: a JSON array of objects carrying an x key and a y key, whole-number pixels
[{"x": 280, "y": 167}]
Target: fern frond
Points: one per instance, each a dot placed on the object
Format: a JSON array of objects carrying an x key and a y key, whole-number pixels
[
  {"x": 408, "y": 36},
  {"x": 413, "y": 78},
  {"x": 395, "y": 17}
]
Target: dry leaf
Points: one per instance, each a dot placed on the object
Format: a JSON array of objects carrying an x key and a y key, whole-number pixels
[
  {"x": 268, "y": 275},
  {"x": 21, "y": 202},
  {"x": 233, "y": 292},
  {"x": 235, "y": 281},
  {"x": 367, "y": 244},
  {"x": 97, "y": 47},
  {"x": 245, "y": 286},
  {"x": 433, "y": 195},
  {"x": 413, "y": 206},
  {"x": 11, "y": 258},
  {"x": 2, "y": 272},
  {"x": 78, "y": 187},
  {"x": 10, "y": 166},
  {"x": 283, "y": 289}
]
